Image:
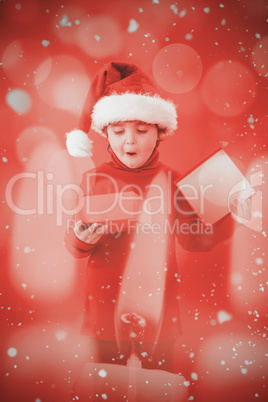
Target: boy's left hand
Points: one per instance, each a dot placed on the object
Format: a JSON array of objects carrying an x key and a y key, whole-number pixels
[{"x": 240, "y": 209}]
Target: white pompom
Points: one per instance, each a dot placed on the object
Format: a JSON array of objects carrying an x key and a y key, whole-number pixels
[{"x": 78, "y": 144}]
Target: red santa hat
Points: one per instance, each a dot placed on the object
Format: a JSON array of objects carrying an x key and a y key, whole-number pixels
[{"x": 120, "y": 92}]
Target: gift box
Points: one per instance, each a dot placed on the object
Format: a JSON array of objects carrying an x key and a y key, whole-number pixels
[
  {"x": 114, "y": 383},
  {"x": 119, "y": 211},
  {"x": 212, "y": 185}
]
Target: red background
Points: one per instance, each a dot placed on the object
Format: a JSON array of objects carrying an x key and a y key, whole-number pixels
[{"x": 219, "y": 84}]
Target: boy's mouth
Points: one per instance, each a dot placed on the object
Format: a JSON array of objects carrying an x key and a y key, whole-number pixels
[{"x": 131, "y": 153}]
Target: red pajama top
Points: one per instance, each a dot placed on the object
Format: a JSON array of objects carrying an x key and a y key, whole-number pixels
[{"x": 107, "y": 267}]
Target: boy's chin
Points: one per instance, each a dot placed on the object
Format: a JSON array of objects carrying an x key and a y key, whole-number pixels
[{"x": 132, "y": 164}]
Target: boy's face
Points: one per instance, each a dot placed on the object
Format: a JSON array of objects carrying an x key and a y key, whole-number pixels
[{"x": 132, "y": 141}]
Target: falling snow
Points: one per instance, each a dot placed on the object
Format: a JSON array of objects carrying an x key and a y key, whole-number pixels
[
  {"x": 12, "y": 352},
  {"x": 102, "y": 373},
  {"x": 222, "y": 103},
  {"x": 133, "y": 25}
]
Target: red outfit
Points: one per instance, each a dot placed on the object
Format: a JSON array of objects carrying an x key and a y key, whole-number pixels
[{"x": 107, "y": 259}]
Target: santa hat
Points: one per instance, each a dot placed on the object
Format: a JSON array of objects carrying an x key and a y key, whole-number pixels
[{"x": 120, "y": 92}]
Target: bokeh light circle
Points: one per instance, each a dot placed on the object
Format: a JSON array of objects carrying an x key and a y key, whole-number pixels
[
  {"x": 12, "y": 352},
  {"x": 68, "y": 92},
  {"x": 177, "y": 68},
  {"x": 21, "y": 11},
  {"x": 32, "y": 137},
  {"x": 63, "y": 169},
  {"x": 228, "y": 88},
  {"x": 259, "y": 57},
  {"x": 249, "y": 294},
  {"x": 43, "y": 71},
  {"x": 21, "y": 59},
  {"x": 100, "y": 36},
  {"x": 19, "y": 100},
  {"x": 224, "y": 357},
  {"x": 64, "y": 83}
]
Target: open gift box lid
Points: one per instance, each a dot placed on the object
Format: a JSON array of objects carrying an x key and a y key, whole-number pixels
[
  {"x": 210, "y": 187},
  {"x": 118, "y": 383}
]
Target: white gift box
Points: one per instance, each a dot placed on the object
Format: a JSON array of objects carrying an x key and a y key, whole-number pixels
[
  {"x": 210, "y": 187},
  {"x": 114, "y": 383}
]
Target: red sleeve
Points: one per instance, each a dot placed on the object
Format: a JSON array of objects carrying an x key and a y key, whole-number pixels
[{"x": 77, "y": 247}]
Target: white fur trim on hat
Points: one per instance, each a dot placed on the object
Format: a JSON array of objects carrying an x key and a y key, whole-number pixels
[
  {"x": 78, "y": 144},
  {"x": 132, "y": 106}
]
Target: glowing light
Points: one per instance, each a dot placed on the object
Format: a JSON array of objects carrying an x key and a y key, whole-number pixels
[
  {"x": 224, "y": 355},
  {"x": 32, "y": 137},
  {"x": 142, "y": 291},
  {"x": 38, "y": 200},
  {"x": 21, "y": 59},
  {"x": 174, "y": 8},
  {"x": 259, "y": 57},
  {"x": 188, "y": 36},
  {"x": 223, "y": 316},
  {"x": 61, "y": 335},
  {"x": 45, "y": 43},
  {"x": 21, "y": 12},
  {"x": 63, "y": 169},
  {"x": 133, "y": 26},
  {"x": 66, "y": 83},
  {"x": 194, "y": 376},
  {"x": 68, "y": 92},
  {"x": 12, "y": 352},
  {"x": 247, "y": 274},
  {"x": 177, "y": 68},
  {"x": 43, "y": 71},
  {"x": 19, "y": 100},
  {"x": 259, "y": 261},
  {"x": 111, "y": 37},
  {"x": 49, "y": 269},
  {"x": 236, "y": 278},
  {"x": 102, "y": 373},
  {"x": 190, "y": 103},
  {"x": 39, "y": 344},
  {"x": 228, "y": 88}
]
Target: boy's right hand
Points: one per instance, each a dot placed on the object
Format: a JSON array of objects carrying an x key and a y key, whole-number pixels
[{"x": 89, "y": 234}]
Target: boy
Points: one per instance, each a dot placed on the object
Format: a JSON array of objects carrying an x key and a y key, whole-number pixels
[{"x": 132, "y": 279}]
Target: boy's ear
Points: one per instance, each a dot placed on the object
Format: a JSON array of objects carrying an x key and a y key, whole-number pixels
[{"x": 161, "y": 134}]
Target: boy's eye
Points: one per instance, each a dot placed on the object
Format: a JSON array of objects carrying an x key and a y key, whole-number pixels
[
  {"x": 118, "y": 131},
  {"x": 142, "y": 129}
]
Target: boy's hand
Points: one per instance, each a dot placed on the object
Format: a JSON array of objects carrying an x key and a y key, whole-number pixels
[
  {"x": 89, "y": 234},
  {"x": 240, "y": 209}
]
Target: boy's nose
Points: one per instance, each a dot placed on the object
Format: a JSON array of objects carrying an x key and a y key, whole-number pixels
[{"x": 130, "y": 137}]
